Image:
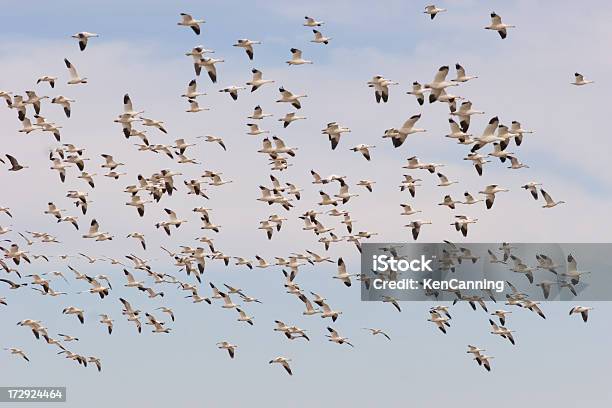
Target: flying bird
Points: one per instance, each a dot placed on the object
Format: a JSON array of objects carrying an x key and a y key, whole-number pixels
[{"x": 83, "y": 37}]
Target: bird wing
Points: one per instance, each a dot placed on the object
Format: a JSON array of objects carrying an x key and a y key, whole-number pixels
[
  {"x": 73, "y": 72},
  {"x": 547, "y": 197},
  {"x": 441, "y": 74},
  {"x": 341, "y": 267},
  {"x": 460, "y": 71},
  {"x": 296, "y": 53},
  {"x": 93, "y": 228},
  {"x": 410, "y": 122}
]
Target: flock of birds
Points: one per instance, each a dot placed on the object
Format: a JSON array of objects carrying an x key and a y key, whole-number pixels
[
  {"x": 453, "y": 256},
  {"x": 193, "y": 258}
]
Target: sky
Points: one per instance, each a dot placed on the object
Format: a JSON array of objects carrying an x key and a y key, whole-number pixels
[{"x": 559, "y": 361}]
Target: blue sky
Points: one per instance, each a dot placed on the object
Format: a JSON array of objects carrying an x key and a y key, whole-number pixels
[{"x": 559, "y": 361}]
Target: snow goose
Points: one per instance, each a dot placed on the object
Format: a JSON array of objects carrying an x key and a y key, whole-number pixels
[
  {"x": 398, "y": 136},
  {"x": 550, "y": 203},
  {"x": 104, "y": 319},
  {"x": 290, "y": 118},
  {"x": 34, "y": 100},
  {"x": 381, "y": 87},
  {"x": 258, "y": 113},
  {"x": 60, "y": 168},
  {"x": 517, "y": 131},
  {"x": 17, "y": 352},
  {"x": 83, "y": 37},
  {"x": 409, "y": 183},
  {"x": 501, "y": 331},
  {"x": 46, "y": 78},
  {"x": 197, "y": 53},
  {"x": 461, "y": 76},
  {"x": 15, "y": 166},
  {"x": 13, "y": 285},
  {"x": 247, "y": 45},
  {"x": 110, "y": 162},
  {"x": 419, "y": 92},
  {"x": 18, "y": 104},
  {"x": 140, "y": 237},
  {"x": 583, "y": 310},
  {"x": 320, "y": 38},
  {"x": 497, "y": 25},
  {"x": 254, "y": 129},
  {"x": 257, "y": 80},
  {"x": 342, "y": 274},
  {"x": 444, "y": 181},
  {"x": 440, "y": 321},
  {"x": 449, "y": 202},
  {"x": 64, "y": 103},
  {"x": 311, "y": 22},
  {"x": 501, "y": 314},
  {"x": 326, "y": 199},
  {"x": 192, "y": 92},
  {"x": 334, "y": 131},
  {"x": 572, "y": 270},
  {"x": 75, "y": 79},
  {"x": 344, "y": 194},
  {"x": 408, "y": 210},
  {"x": 231, "y": 348},
  {"x": 209, "y": 65},
  {"x": 296, "y": 58},
  {"x": 478, "y": 160},
  {"x": 490, "y": 192},
  {"x": 498, "y": 152},
  {"x": 515, "y": 164},
  {"x": 461, "y": 223},
  {"x": 79, "y": 313},
  {"x": 7, "y": 97},
  {"x": 432, "y": 10},
  {"x": 579, "y": 80},
  {"x": 232, "y": 90},
  {"x": 439, "y": 82},
  {"x": 158, "y": 124},
  {"x": 336, "y": 338},
  {"x": 488, "y": 135},
  {"x": 469, "y": 199},
  {"x": 244, "y": 317},
  {"x": 194, "y": 107},
  {"x": 173, "y": 220},
  {"x": 310, "y": 310},
  {"x": 368, "y": 184},
  {"x": 393, "y": 301},
  {"x": 464, "y": 113},
  {"x": 328, "y": 312},
  {"x": 188, "y": 21},
  {"x": 375, "y": 332},
  {"x": 456, "y": 132},
  {"x": 363, "y": 149},
  {"x": 485, "y": 361},
  {"x": 289, "y": 97},
  {"x": 284, "y": 362},
  {"x": 27, "y": 126},
  {"x": 266, "y": 226},
  {"x": 532, "y": 187},
  {"x": 214, "y": 139},
  {"x": 415, "y": 226},
  {"x": 139, "y": 203}
]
